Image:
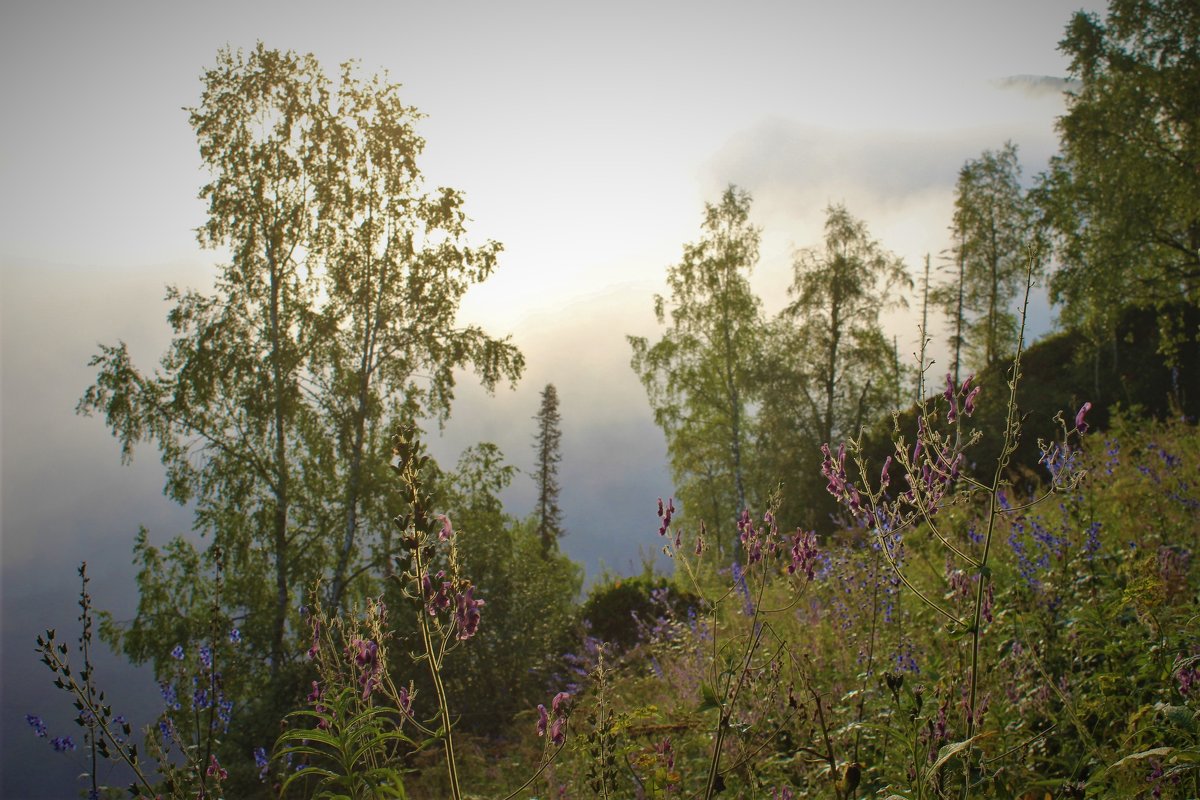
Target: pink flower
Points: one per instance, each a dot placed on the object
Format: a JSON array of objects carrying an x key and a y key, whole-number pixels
[
  {"x": 558, "y": 731},
  {"x": 1081, "y": 424},
  {"x": 215, "y": 770},
  {"x": 543, "y": 719}
]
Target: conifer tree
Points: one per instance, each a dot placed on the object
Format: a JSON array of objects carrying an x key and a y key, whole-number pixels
[{"x": 546, "y": 447}]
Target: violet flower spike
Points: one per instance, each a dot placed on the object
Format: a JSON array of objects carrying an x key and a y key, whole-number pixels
[
  {"x": 1080, "y": 423},
  {"x": 543, "y": 720},
  {"x": 558, "y": 733},
  {"x": 969, "y": 403}
]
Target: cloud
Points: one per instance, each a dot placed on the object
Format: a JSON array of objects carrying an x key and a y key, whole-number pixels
[{"x": 1037, "y": 85}]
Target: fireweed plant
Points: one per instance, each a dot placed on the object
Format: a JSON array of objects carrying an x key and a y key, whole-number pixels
[
  {"x": 935, "y": 478},
  {"x": 360, "y": 725},
  {"x": 182, "y": 744}
]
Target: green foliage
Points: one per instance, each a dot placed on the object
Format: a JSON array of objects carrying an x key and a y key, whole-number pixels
[
  {"x": 531, "y": 598},
  {"x": 993, "y": 245},
  {"x": 1122, "y": 197},
  {"x": 614, "y": 605},
  {"x": 831, "y": 369},
  {"x": 333, "y": 322},
  {"x": 700, "y": 377},
  {"x": 546, "y": 445}
]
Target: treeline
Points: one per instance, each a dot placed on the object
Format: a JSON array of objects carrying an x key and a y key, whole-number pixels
[{"x": 747, "y": 401}]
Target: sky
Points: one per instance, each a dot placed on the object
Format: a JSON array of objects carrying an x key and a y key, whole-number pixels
[{"x": 586, "y": 138}]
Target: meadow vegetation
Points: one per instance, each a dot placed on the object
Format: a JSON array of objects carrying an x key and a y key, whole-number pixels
[{"x": 886, "y": 581}]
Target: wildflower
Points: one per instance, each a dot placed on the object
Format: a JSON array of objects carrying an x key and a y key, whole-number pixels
[
  {"x": 884, "y": 478},
  {"x": 558, "y": 731},
  {"x": 367, "y": 659},
  {"x": 177, "y": 653},
  {"x": 316, "y": 639},
  {"x": 447, "y": 531},
  {"x": 39, "y": 727},
  {"x": 405, "y": 701},
  {"x": 1080, "y": 424},
  {"x": 235, "y": 636},
  {"x": 969, "y": 403},
  {"x": 665, "y": 513},
  {"x": 206, "y": 654},
  {"x": 168, "y": 695},
  {"x": 466, "y": 613},
  {"x": 167, "y": 729},
  {"x": 543, "y": 720},
  {"x": 560, "y": 702},
  {"x": 225, "y": 711},
  {"x": 215, "y": 770},
  {"x": 261, "y": 761},
  {"x": 439, "y": 599},
  {"x": 62, "y": 744},
  {"x": 315, "y": 694},
  {"x": 804, "y": 553},
  {"x": 952, "y": 399}
]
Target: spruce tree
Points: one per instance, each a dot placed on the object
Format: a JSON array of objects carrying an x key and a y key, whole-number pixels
[{"x": 546, "y": 446}]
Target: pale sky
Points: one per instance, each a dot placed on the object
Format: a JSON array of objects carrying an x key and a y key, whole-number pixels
[{"x": 586, "y": 139}]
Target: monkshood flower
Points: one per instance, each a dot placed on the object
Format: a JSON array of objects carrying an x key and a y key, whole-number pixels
[
  {"x": 366, "y": 656},
  {"x": 466, "y": 613},
  {"x": 804, "y": 553},
  {"x": 62, "y": 744},
  {"x": 1081, "y": 424},
  {"x": 560, "y": 706},
  {"x": 436, "y": 599},
  {"x": 215, "y": 770},
  {"x": 665, "y": 513},
  {"x": 447, "y": 530}
]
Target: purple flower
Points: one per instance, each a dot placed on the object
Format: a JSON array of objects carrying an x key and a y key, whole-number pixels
[
  {"x": 1081, "y": 424},
  {"x": 665, "y": 514},
  {"x": 561, "y": 700},
  {"x": 177, "y": 653},
  {"x": 558, "y": 731},
  {"x": 405, "y": 701},
  {"x": 367, "y": 659},
  {"x": 316, "y": 639},
  {"x": 543, "y": 720},
  {"x": 969, "y": 403},
  {"x": 206, "y": 654},
  {"x": 466, "y": 613},
  {"x": 447, "y": 531},
  {"x": 168, "y": 695},
  {"x": 62, "y": 744},
  {"x": 261, "y": 761},
  {"x": 39, "y": 727},
  {"x": 235, "y": 636},
  {"x": 951, "y": 399},
  {"x": 215, "y": 770},
  {"x": 315, "y": 694}
]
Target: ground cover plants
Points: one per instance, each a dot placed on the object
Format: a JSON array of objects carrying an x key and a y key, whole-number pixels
[
  {"x": 885, "y": 581},
  {"x": 1023, "y": 633}
]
